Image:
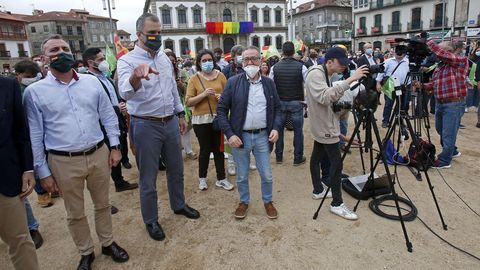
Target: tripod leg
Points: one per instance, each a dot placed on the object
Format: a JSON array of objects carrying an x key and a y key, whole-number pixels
[
  {"x": 425, "y": 170},
  {"x": 321, "y": 203},
  {"x": 355, "y": 120},
  {"x": 390, "y": 181}
]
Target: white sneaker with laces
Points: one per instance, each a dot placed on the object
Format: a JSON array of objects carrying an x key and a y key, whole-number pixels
[
  {"x": 202, "y": 183},
  {"x": 253, "y": 167},
  {"x": 224, "y": 184},
  {"x": 211, "y": 156},
  {"x": 458, "y": 154},
  {"x": 231, "y": 170},
  {"x": 320, "y": 195},
  {"x": 343, "y": 211}
]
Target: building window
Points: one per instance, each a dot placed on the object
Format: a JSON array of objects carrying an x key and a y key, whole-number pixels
[
  {"x": 266, "y": 16},
  {"x": 396, "y": 2},
  {"x": 69, "y": 30},
  {"x": 279, "y": 42},
  {"x": 377, "y": 44},
  {"x": 182, "y": 16},
  {"x": 227, "y": 15},
  {"x": 320, "y": 18},
  {"x": 254, "y": 15},
  {"x": 267, "y": 41},
  {"x": 33, "y": 30},
  {"x": 311, "y": 20},
  {"x": 396, "y": 21},
  {"x": 303, "y": 22},
  {"x": 72, "y": 45},
  {"x": 198, "y": 44},
  {"x": 363, "y": 23},
  {"x": 296, "y": 22},
  {"x": 81, "y": 44},
  {"x": 438, "y": 15},
  {"x": 45, "y": 28},
  {"x": 256, "y": 41},
  {"x": 59, "y": 29},
  {"x": 379, "y": 3},
  {"x": 184, "y": 46},
  {"x": 197, "y": 16},
  {"x": 416, "y": 18},
  {"x": 169, "y": 44},
  {"x": 166, "y": 17},
  {"x": 378, "y": 20},
  {"x": 278, "y": 16},
  {"x": 36, "y": 45},
  {"x": 94, "y": 38},
  {"x": 79, "y": 30}
]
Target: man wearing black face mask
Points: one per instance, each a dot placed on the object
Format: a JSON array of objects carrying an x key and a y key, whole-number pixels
[
  {"x": 221, "y": 63},
  {"x": 157, "y": 120},
  {"x": 312, "y": 59},
  {"x": 63, "y": 112}
]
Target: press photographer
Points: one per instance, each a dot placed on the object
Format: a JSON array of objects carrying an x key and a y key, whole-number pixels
[
  {"x": 449, "y": 88},
  {"x": 396, "y": 68},
  {"x": 324, "y": 123}
]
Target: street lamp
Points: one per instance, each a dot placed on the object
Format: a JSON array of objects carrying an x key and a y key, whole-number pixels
[
  {"x": 106, "y": 3},
  {"x": 291, "y": 30}
]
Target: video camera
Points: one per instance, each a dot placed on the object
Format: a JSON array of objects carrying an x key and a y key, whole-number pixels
[{"x": 417, "y": 50}]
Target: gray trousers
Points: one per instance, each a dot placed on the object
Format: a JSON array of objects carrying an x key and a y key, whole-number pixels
[{"x": 152, "y": 139}]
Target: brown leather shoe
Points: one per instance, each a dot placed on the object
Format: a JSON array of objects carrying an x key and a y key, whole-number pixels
[
  {"x": 271, "y": 211},
  {"x": 44, "y": 200},
  {"x": 241, "y": 211}
]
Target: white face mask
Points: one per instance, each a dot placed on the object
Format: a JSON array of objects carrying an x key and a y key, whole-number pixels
[
  {"x": 28, "y": 81},
  {"x": 104, "y": 67},
  {"x": 82, "y": 70},
  {"x": 251, "y": 70},
  {"x": 39, "y": 64}
]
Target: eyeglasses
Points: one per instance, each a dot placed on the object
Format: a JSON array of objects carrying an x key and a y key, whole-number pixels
[
  {"x": 206, "y": 60},
  {"x": 254, "y": 59}
]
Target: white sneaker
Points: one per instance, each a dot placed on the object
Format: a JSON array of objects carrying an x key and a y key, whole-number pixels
[
  {"x": 253, "y": 167},
  {"x": 211, "y": 155},
  {"x": 225, "y": 155},
  {"x": 224, "y": 184},
  {"x": 343, "y": 211},
  {"x": 458, "y": 154},
  {"x": 202, "y": 184},
  {"x": 231, "y": 170},
  {"x": 321, "y": 195},
  {"x": 466, "y": 110}
]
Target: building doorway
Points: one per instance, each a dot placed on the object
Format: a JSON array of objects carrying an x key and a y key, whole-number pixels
[{"x": 228, "y": 43}]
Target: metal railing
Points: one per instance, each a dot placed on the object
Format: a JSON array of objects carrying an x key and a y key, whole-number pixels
[
  {"x": 361, "y": 31},
  {"x": 12, "y": 35},
  {"x": 374, "y": 4},
  {"x": 5, "y": 54},
  {"x": 377, "y": 29},
  {"x": 394, "y": 28},
  {"x": 22, "y": 54},
  {"x": 438, "y": 23},
  {"x": 418, "y": 25}
]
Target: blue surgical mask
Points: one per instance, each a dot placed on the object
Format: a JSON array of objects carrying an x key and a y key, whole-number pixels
[
  {"x": 477, "y": 53},
  {"x": 207, "y": 67},
  {"x": 369, "y": 51}
]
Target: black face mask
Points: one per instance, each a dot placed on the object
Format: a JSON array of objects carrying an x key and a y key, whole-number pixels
[
  {"x": 153, "y": 42},
  {"x": 218, "y": 57},
  {"x": 313, "y": 55},
  {"x": 62, "y": 62}
]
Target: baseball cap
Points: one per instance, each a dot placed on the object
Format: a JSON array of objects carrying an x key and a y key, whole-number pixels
[{"x": 339, "y": 54}]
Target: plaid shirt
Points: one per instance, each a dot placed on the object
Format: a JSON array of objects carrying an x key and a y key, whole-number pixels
[{"x": 449, "y": 78}]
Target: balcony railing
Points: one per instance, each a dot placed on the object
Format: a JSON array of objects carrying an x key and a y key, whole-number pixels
[
  {"x": 12, "y": 35},
  {"x": 377, "y": 29},
  {"x": 386, "y": 3},
  {"x": 5, "y": 54},
  {"x": 438, "y": 23},
  {"x": 418, "y": 25},
  {"x": 361, "y": 31},
  {"x": 328, "y": 24},
  {"x": 22, "y": 54},
  {"x": 394, "y": 28}
]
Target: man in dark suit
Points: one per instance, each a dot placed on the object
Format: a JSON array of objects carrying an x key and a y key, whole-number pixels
[
  {"x": 313, "y": 59},
  {"x": 368, "y": 59},
  {"x": 17, "y": 181}
]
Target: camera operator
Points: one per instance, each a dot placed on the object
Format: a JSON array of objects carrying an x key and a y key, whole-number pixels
[
  {"x": 449, "y": 88},
  {"x": 396, "y": 67},
  {"x": 324, "y": 123}
]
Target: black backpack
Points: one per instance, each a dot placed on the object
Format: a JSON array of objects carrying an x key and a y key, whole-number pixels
[{"x": 423, "y": 157}]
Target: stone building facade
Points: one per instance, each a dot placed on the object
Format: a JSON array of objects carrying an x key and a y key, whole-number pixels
[
  {"x": 184, "y": 23},
  {"x": 14, "y": 45}
]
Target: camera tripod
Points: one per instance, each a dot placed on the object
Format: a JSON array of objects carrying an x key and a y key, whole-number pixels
[{"x": 367, "y": 118}]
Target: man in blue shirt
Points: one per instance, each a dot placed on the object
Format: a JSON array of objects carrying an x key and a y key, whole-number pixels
[
  {"x": 63, "y": 112},
  {"x": 157, "y": 119}
]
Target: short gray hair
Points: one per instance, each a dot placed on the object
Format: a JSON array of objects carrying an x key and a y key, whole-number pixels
[
  {"x": 141, "y": 20},
  {"x": 365, "y": 45},
  {"x": 55, "y": 36},
  {"x": 237, "y": 50},
  {"x": 254, "y": 48}
]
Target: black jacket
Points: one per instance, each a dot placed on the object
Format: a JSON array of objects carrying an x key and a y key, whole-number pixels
[{"x": 15, "y": 148}]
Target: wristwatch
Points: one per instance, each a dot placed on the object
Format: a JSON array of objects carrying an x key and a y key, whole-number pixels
[{"x": 115, "y": 147}]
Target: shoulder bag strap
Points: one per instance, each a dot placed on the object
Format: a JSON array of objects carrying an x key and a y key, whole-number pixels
[{"x": 396, "y": 67}]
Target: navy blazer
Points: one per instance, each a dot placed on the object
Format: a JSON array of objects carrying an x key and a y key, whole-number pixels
[
  {"x": 15, "y": 148},
  {"x": 233, "y": 103}
]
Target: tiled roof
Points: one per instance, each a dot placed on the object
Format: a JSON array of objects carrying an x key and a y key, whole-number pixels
[
  {"x": 122, "y": 32},
  {"x": 318, "y": 4},
  {"x": 79, "y": 15},
  {"x": 10, "y": 17}
]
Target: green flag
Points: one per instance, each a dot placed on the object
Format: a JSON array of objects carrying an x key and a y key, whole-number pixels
[{"x": 110, "y": 57}]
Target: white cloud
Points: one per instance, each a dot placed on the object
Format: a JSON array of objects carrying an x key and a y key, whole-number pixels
[{"x": 126, "y": 11}]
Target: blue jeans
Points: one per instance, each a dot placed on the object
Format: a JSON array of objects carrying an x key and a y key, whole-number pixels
[
  {"x": 343, "y": 129},
  {"x": 387, "y": 110},
  {"x": 31, "y": 220},
  {"x": 447, "y": 123},
  {"x": 295, "y": 108},
  {"x": 259, "y": 145},
  {"x": 473, "y": 97}
]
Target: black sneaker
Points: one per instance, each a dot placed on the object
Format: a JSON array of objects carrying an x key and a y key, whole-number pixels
[
  {"x": 127, "y": 165},
  {"x": 125, "y": 186},
  {"x": 279, "y": 160},
  {"x": 113, "y": 210},
  {"x": 300, "y": 162},
  {"x": 37, "y": 238}
]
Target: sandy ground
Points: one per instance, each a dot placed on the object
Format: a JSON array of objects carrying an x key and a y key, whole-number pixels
[{"x": 294, "y": 240}]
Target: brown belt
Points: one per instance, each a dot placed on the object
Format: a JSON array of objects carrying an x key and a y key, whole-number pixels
[
  {"x": 449, "y": 100},
  {"x": 75, "y": 154},
  {"x": 158, "y": 119}
]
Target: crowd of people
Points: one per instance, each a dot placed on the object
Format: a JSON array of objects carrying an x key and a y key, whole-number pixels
[{"x": 71, "y": 123}]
